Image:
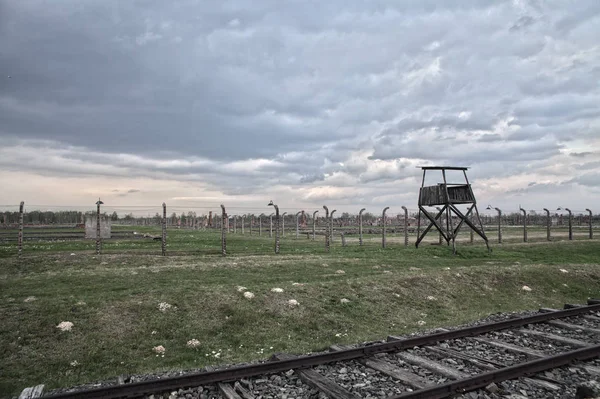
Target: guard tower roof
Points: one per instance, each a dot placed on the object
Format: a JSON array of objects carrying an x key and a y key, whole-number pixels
[{"x": 443, "y": 167}]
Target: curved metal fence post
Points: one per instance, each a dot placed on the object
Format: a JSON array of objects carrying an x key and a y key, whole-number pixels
[
  {"x": 164, "y": 230},
  {"x": 20, "y": 239},
  {"x": 326, "y": 228},
  {"x": 276, "y": 226},
  {"x": 590, "y": 222},
  {"x": 548, "y": 223},
  {"x": 360, "y": 227},
  {"x": 314, "y": 224},
  {"x": 405, "y": 226},
  {"x": 271, "y": 226},
  {"x": 224, "y": 229},
  {"x": 383, "y": 229},
  {"x": 570, "y": 223},
  {"x": 524, "y": 224},
  {"x": 98, "y": 238}
]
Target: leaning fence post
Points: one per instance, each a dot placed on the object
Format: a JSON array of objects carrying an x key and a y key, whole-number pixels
[
  {"x": 331, "y": 225},
  {"x": 164, "y": 230},
  {"x": 524, "y": 224},
  {"x": 383, "y": 230},
  {"x": 590, "y": 222},
  {"x": 547, "y": 224},
  {"x": 21, "y": 227},
  {"x": 405, "y": 226},
  {"x": 98, "y": 243},
  {"x": 326, "y": 228},
  {"x": 314, "y": 224},
  {"x": 224, "y": 229},
  {"x": 360, "y": 227}
]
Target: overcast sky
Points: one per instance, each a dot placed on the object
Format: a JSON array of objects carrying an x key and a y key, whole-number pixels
[{"x": 303, "y": 102}]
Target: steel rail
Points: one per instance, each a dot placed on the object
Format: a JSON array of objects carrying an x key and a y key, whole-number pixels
[
  {"x": 235, "y": 373},
  {"x": 506, "y": 373}
]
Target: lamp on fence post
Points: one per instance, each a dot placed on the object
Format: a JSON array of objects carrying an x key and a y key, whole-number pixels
[
  {"x": 98, "y": 203},
  {"x": 360, "y": 227},
  {"x": 326, "y": 228},
  {"x": 570, "y": 221},
  {"x": 590, "y": 222},
  {"x": 524, "y": 223},
  {"x": 331, "y": 225},
  {"x": 405, "y": 226},
  {"x": 271, "y": 225},
  {"x": 383, "y": 223},
  {"x": 548, "y": 223},
  {"x": 276, "y": 225},
  {"x": 298, "y": 223},
  {"x": 224, "y": 228},
  {"x": 499, "y": 222},
  {"x": 314, "y": 223}
]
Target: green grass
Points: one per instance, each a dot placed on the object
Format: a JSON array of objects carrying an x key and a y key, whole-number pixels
[{"x": 112, "y": 299}]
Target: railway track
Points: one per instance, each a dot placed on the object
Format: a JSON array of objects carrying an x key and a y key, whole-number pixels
[{"x": 522, "y": 356}]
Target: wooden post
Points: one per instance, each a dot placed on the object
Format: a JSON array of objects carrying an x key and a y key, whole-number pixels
[
  {"x": 164, "y": 230},
  {"x": 331, "y": 225},
  {"x": 405, "y": 226},
  {"x": 548, "y": 223},
  {"x": 570, "y": 223},
  {"x": 360, "y": 227},
  {"x": 524, "y": 224},
  {"x": 20, "y": 242},
  {"x": 471, "y": 238},
  {"x": 314, "y": 224},
  {"x": 440, "y": 233},
  {"x": 210, "y": 221},
  {"x": 224, "y": 229},
  {"x": 98, "y": 239},
  {"x": 326, "y": 228},
  {"x": 590, "y": 223},
  {"x": 383, "y": 229}
]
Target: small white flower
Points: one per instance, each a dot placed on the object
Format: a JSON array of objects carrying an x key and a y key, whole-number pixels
[
  {"x": 248, "y": 295},
  {"x": 338, "y": 334},
  {"x": 421, "y": 322},
  {"x": 193, "y": 343},
  {"x": 241, "y": 289},
  {"x": 340, "y": 272},
  {"x": 154, "y": 332},
  {"x": 65, "y": 326},
  {"x": 159, "y": 349},
  {"x": 276, "y": 289},
  {"x": 164, "y": 306},
  {"x": 397, "y": 295},
  {"x": 344, "y": 300},
  {"x": 564, "y": 285},
  {"x": 526, "y": 288},
  {"x": 30, "y": 299},
  {"x": 431, "y": 298},
  {"x": 74, "y": 363},
  {"x": 564, "y": 270},
  {"x": 293, "y": 302}
]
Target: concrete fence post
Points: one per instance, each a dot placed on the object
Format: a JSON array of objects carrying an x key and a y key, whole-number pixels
[
  {"x": 298, "y": 224},
  {"x": 548, "y": 224},
  {"x": 224, "y": 229},
  {"x": 591, "y": 235},
  {"x": 331, "y": 225},
  {"x": 360, "y": 227},
  {"x": 314, "y": 224},
  {"x": 326, "y": 228},
  {"x": 283, "y": 224},
  {"x": 20, "y": 239},
  {"x": 98, "y": 238},
  {"x": 271, "y": 225},
  {"x": 570, "y": 223},
  {"x": 251, "y": 223},
  {"x": 276, "y": 226},
  {"x": 524, "y": 224},
  {"x": 405, "y": 226},
  {"x": 164, "y": 230},
  {"x": 234, "y": 224},
  {"x": 343, "y": 239},
  {"x": 383, "y": 229},
  {"x": 243, "y": 219},
  {"x": 260, "y": 225}
]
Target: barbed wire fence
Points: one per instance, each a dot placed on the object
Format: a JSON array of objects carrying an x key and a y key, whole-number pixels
[{"x": 234, "y": 230}]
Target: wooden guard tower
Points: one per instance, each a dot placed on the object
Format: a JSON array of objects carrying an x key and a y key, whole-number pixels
[{"x": 447, "y": 196}]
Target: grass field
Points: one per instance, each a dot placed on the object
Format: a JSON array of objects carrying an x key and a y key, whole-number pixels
[{"x": 113, "y": 299}]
